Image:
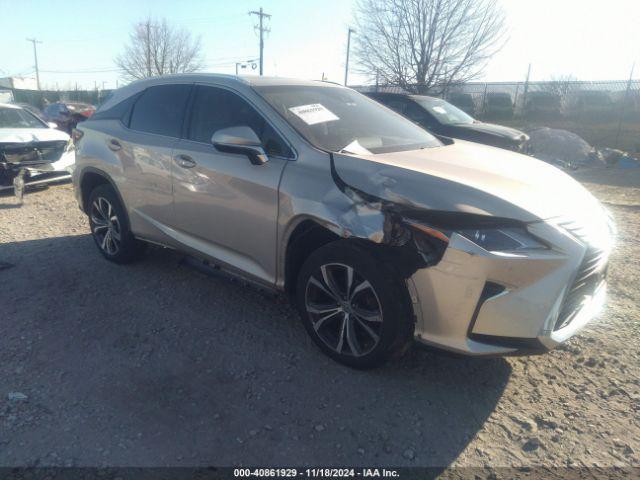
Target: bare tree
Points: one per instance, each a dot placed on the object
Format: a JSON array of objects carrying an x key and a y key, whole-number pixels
[
  {"x": 423, "y": 45},
  {"x": 559, "y": 85},
  {"x": 157, "y": 48}
]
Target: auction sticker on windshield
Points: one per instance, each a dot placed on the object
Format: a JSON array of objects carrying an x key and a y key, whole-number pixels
[{"x": 314, "y": 113}]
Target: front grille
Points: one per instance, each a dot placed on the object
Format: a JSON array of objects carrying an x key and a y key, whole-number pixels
[
  {"x": 32, "y": 153},
  {"x": 590, "y": 275}
]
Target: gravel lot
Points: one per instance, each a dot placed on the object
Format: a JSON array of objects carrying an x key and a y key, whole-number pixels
[{"x": 157, "y": 364}]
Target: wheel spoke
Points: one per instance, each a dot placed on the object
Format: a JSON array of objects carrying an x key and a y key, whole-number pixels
[
  {"x": 320, "y": 309},
  {"x": 110, "y": 244},
  {"x": 361, "y": 287},
  {"x": 368, "y": 315},
  {"x": 99, "y": 221},
  {"x": 343, "y": 327},
  {"x": 367, "y": 329},
  {"x": 349, "y": 281},
  {"x": 316, "y": 283},
  {"x": 98, "y": 228},
  {"x": 328, "y": 280},
  {"x": 115, "y": 234},
  {"x": 318, "y": 323},
  {"x": 104, "y": 207},
  {"x": 105, "y": 239},
  {"x": 352, "y": 339},
  {"x": 98, "y": 209}
]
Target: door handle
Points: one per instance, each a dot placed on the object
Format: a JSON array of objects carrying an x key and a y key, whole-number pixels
[
  {"x": 114, "y": 145},
  {"x": 185, "y": 161}
]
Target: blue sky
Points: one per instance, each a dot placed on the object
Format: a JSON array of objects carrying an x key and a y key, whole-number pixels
[{"x": 590, "y": 39}]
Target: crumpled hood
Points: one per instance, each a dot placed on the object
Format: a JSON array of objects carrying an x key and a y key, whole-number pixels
[
  {"x": 468, "y": 177},
  {"x": 29, "y": 135},
  {"x": 492, "y": 129}
]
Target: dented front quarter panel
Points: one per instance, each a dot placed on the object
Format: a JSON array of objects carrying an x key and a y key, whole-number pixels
[{"x": 308, "y": 192}]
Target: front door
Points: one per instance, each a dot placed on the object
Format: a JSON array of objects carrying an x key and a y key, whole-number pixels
[{"x": 225, "y": 206}]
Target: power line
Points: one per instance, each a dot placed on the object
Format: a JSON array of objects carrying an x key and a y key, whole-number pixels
[
  {"x": 97, "y": 70},
  {"x": 261, "y": 15},
  {"x": 35, "y": 56}
]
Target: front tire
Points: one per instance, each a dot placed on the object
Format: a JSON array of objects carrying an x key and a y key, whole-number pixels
[
  {"x": 110, "y": 226},
  {"x": 355, "y": 308}
]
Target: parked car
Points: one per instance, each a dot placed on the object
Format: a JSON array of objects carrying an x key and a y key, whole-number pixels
[
  {"x": 378, "y": 230},
  {"x": 542, "y": 105},
  {"x": 442, "y": 118},
  {"x": 31, "y": 151},
  {"x": 593, "y": 103},
  {"x": 497, "y": 105},
  {"x": 464, "y": 101},
  {"x": 34, "y": 110},
  {"x": 68, "y": 114}
]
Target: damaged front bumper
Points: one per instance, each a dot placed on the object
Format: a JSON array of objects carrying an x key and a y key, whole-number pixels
[
  {"x": 491, "y": 303},
  {"x": 36, "y": 170}
]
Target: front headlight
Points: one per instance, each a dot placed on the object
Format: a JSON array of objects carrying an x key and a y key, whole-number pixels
[
  {"x": 70, "y": 147},
  {"x": 503, "y": 239},
  {"x": 491, "y": 238}
]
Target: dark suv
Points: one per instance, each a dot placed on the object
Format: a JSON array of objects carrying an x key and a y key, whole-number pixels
[{"x": 442, "y": 118}]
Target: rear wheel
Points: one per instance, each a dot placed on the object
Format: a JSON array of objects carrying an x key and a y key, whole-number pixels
[
  {"x": 110, "y": 226},
  {"x": 355, "y": 308}
]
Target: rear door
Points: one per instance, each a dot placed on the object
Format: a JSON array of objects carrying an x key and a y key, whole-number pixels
[
  {"x": 225, "y": 206},
  {"x": 145, "y": 150}
]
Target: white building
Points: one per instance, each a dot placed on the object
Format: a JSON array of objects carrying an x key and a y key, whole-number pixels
[{"x": 22, "y": 83}]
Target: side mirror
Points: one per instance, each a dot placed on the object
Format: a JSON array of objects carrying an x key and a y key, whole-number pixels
[
  {"x": 241, "y": 140},
  {"x": 52, "y": 124}
]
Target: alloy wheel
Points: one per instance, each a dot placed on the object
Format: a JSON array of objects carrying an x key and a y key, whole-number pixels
[
  {"x": 344, "y": 309},
  {"x": 106, "y": 226}
]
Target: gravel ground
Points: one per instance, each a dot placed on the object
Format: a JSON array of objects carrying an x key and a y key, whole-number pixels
[{"x": 157, "y": 364}]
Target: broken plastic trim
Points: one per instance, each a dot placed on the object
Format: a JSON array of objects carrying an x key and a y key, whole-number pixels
[
  {"x": 432, "y": 232},
  {"x": 408, "y": 249},
  {"x": 423, "y": 234}
]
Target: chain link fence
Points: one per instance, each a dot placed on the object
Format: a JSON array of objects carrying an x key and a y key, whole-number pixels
[
  {"x": 41, "y": 98},
  {"x": 605, "y": 114}
]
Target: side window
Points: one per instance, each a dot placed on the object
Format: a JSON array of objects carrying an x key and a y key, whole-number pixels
[
  {"x": 160, "y": 110},
  {"x": 397, "y": 105},
  {"x": 216, "y": 108},
  {"x": 120, "y": 111},
  {"x": 418, "y": 114}
]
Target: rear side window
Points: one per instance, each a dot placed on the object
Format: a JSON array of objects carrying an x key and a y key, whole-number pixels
[
  {"x": 216, "y": 108},
  {"x": 120, "y": 111},
  {"x": 160, "y": 110}
]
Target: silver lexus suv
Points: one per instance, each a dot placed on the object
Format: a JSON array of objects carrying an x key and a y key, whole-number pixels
[{"x": 379, "y": 231}]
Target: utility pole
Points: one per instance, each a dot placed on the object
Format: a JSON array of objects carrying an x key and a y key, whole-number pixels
[
  {"x": 526, "y": 82},
  {"x": 261, "y": 15},
  {"x": 35, "y": 57},
  {"x": 346, "y": 65},
  {"x": 624, "y": 103}
]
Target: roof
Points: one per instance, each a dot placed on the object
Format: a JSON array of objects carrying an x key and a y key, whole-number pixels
[
  {"x": 10, "y": 105},
  {"x": 225, "y": 78},
  {"x": 243, "y": 81}
]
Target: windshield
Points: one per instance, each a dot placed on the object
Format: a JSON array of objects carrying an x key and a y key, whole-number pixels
[
  {"x": 446, "y": 113},
  {"x": 342, "y": 120},
  {"x": 19, "y": 118}
]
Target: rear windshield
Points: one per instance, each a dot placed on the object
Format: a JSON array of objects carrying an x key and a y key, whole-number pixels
[
  {"x": 19, "y": 118},
  {"x": 341, "y": 120}
]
